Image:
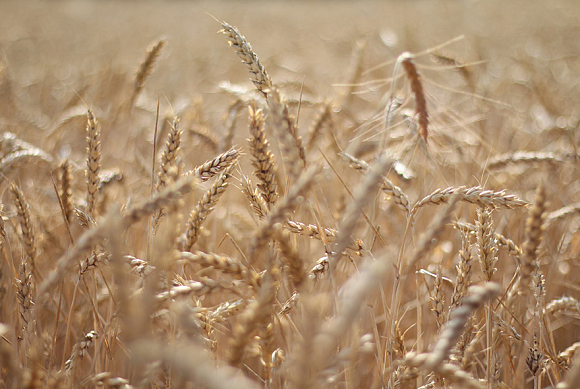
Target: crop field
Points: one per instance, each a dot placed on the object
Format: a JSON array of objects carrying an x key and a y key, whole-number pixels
[{"x": 290, "y": 194}]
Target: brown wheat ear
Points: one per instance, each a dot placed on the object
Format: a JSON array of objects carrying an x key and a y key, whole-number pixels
[
  {"x": 93, "y": 162},
  {"x": 417, "y": 89}
]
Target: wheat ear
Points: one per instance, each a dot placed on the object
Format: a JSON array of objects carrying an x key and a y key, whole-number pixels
[
  {"x": 417, "y": 89},
  {"x": 28, "y": 237},
  {"x": 454, "y": 327},
  {"x": 169, "y": 156},
  {"x": 243, "y": 49},
  {"x": 204, "y": 208},
  {"x": 262, "y": 157},
  {"x": 65, "y": 192},
  {"x": 215, "y": 166},
  {"x": 290, "y": 139},
  {"x": 147, "y": 67},
  {"x": 534, "y": 230},
  {"x": 93, "y": 162},
  {"x": 475, "y": 195}
]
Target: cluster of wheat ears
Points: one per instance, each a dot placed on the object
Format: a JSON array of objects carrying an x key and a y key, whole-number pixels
[{"x": 358, "y": 252}]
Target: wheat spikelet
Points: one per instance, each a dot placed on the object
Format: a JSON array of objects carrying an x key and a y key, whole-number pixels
[
  {"x": 65, "y": 192},
  {"x": 93, "y": 162},
  {"x": 475, "y": 195},
  {"x": 28, "y": 237},
  {"x": 204, "y": 208},
  {"x": 262, "y": 157},
  {"x": 215, "y": 166},
  {"x": 417, "y": 89},
  {"x": 563, "y": 304},
  {"x": 206, "y": 136},
  {"x": 256, "y": 314},
  {"x": 290, "y": 139},
  {"x": 310, "y": 230},
  {"x": 534, "y": 230},
  {"x": 438, "y": 298},
  {"x": 25, "y": 295},
  {"x": 147, "y": 67},
  {"x": 562, "y": 213},
  {"x": 501, "y": 240},
  {"x": 169, "y": 156},
  {"x": 486, "y": 243},
  {"x": 187, "y": 288},
  {"x": 292, "y": 259},
  {"x": 322, "y": 119},
  {"x": 524, "y": 157},
  {"x": 256, "y": 200},
  {"x": 463, "y": 280},
  {"x": 565, "y": 357},
  {"x": 243, "y": 49}
]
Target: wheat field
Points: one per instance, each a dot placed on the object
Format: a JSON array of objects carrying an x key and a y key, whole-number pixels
[{"x": 289, "y": 195}]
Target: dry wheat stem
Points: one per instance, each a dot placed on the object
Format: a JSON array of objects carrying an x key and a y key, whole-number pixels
[
  {"x": 204, "y": 207},
  {"x": 93, "y": 162},
  {"x": 259, "y": 76},
  {"x": 262, "y": 157},
  {"x": 562, "y": 213}
]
